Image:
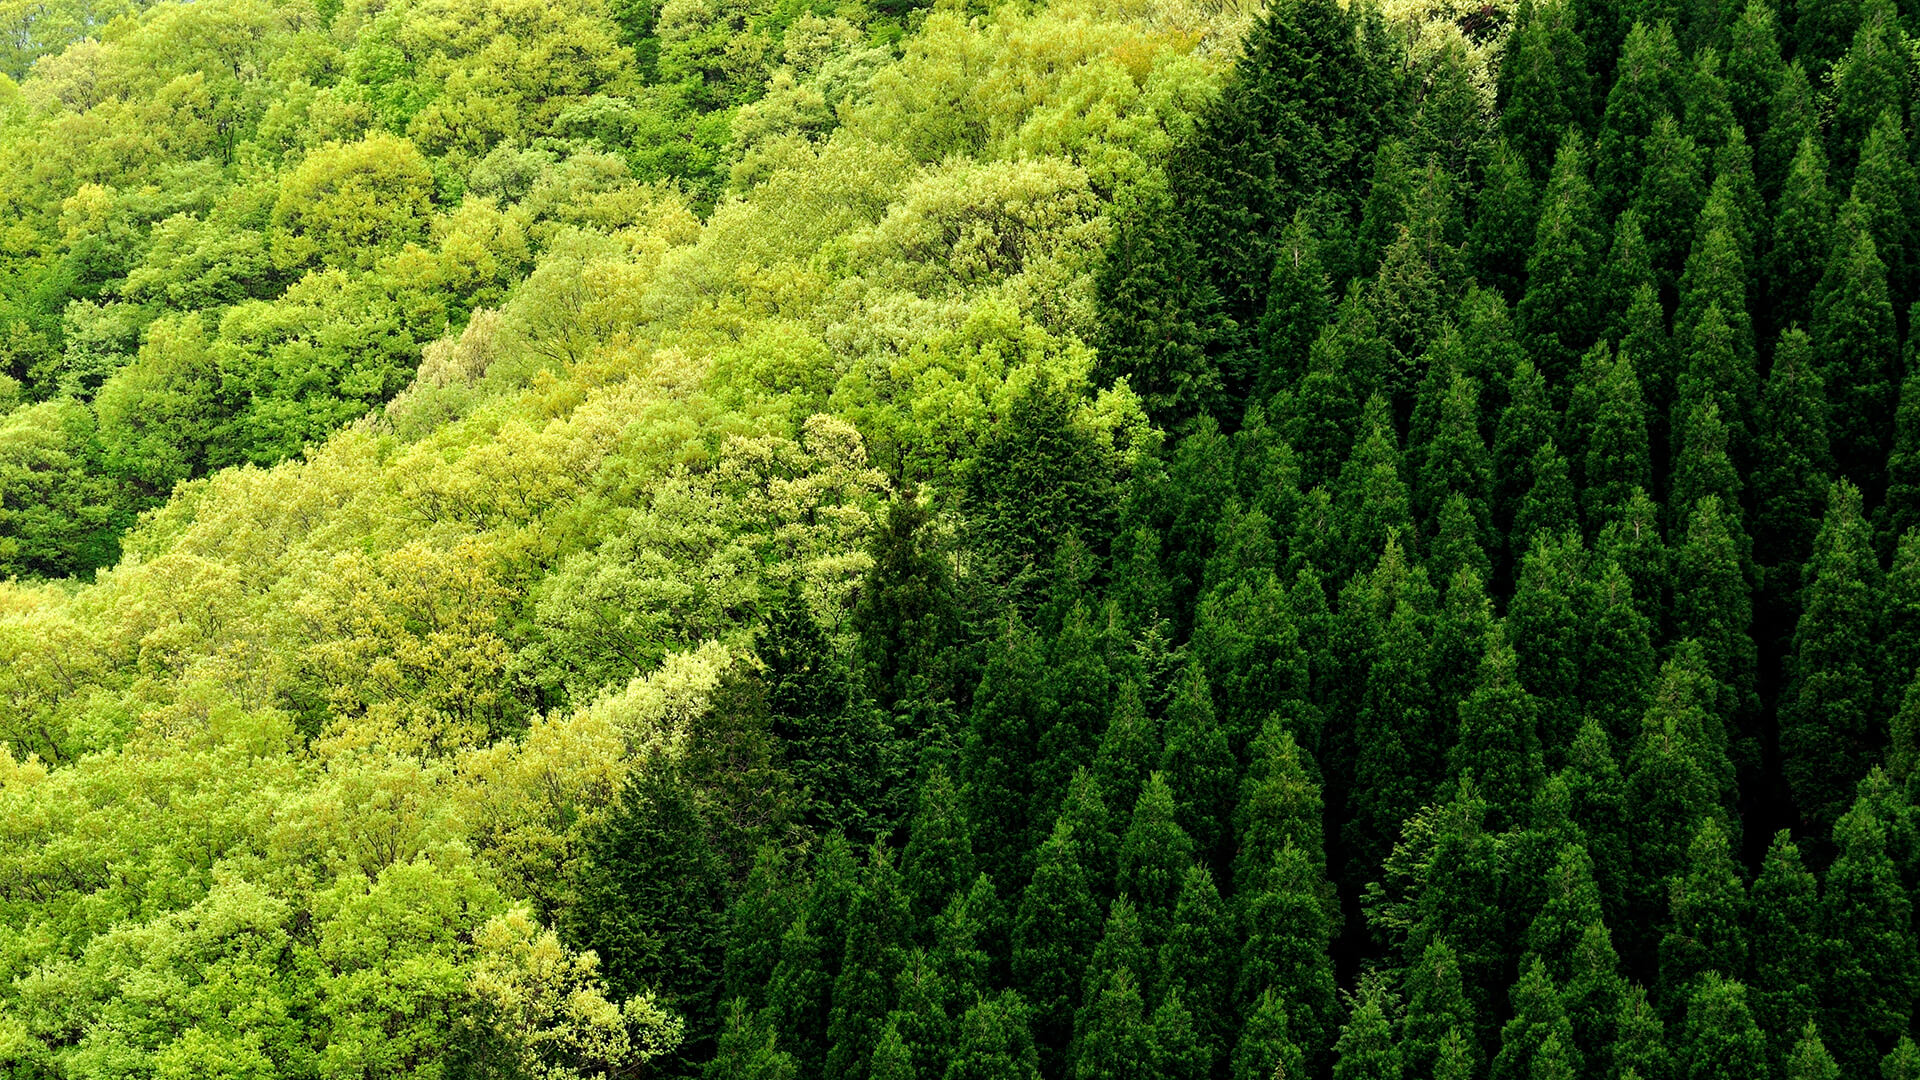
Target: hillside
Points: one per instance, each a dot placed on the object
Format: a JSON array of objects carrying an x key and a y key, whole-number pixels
[{"x": 1093, "y": 539}]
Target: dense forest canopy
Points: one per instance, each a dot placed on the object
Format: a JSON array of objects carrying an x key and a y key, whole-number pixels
[{"x": 1074, "y": 540}]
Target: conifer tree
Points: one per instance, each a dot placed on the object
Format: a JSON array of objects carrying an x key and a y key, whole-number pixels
[
  {"x": 1868, "y": 957},
  {"x": 938, "y": 860},
  {"x": 1754, "y": 66},
  {"x": 1373, "y": 502},
  {"x": 1825, "y": 715},
  {"x": 1639, "y": 1040},
  {"x": 1197, "y": 764},
  {"x": 1154, "y": 856},
  {"x": 995, "y": 1042},
  {"x": 1159, "y": 311},
  {"x": 1365, "y": 1049},
  {"x": 878, "y": 924},
  {"x": 1437, "y": 1009},
  {"x": 1299, "y": 299},
  {"x": 1669, "y": 193},
  {"x": 1196, "y": 963},
  {"x": 1883, "y": 183},
  {"x": 765, "y": 906},
  {"x": 1715, "y": 609},
  {"x": 1459, "y": 644},
  {"x": 1111, "y": 1030},
  {"x": 1178, "y": 1053},
  {"x": 1597, "y": 803},
  {"x": 801, "y": 992},
  {"x": 1547, "y": 510},
  {"x": 1809, "y": 1059},
  {"x": 1651, "y": 82},
  {"x": 1572, "y": 904},
  {"x": 1076, "y": 687},
  {"x": 1793, "y": 462},
  {"x": 1802, "y": 235},
  {"x": 1287, "y": 927},
  {"x": 1792, "y": 116},
  {"x": 1901, "y": 510},
  {"x": 1539, "y": 1028},
  {"x": 1095, "y": 829},
  {"x": 892, "y": 1057},
  {"x": 1527, "y": 420},
  {"x": 1503, "y": 223},
  {"x": 1054, "y": 934},
  {"x": 1395, "y": 736},
  {"x": 1280, "y": 803},
  {"x": 1706, "y": 906},
  {"x": 1703, "y": 467},
  {"x": 1593, "y": 996},
  {"x": 1556, "y": 314},
  {"x": 1822, "y": 30},
  {"x": 1617, "y": 661},
  {"x": 1129, "y": 749},
  {"x": 1455, "y": 459},
  {"x": 1547, "y": 621},
  {"x": 1631, "y": 539},
  {"x": 1266, "y": 1047},
  {"x": 1855, "y": 347},
  {"x": 1720, "y": 1040},
  {"x": 1618, "y": 457},
  {"x": 905, "y": 619},
  {"x": 749, "y": 1049},
  {"x": 1785, "y": 941},
  {"x": 1001, "y": 742},
  {"x": 1499, "y": 744},
  {"x": 1544, "y": 89},
  {"x": 1873, "y": 81},
  {"x": 1902, "y": 1062}
]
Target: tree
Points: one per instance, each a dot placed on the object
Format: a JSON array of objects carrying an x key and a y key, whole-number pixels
[
  {"x": 1785, "y": 942},
  {"x": 1793, "y": 460},
  {"x": 1716, "y": 611},
  {"x": 1650, "y": 83},
  {"x": 1266, "y": 1048},
  {"x": 1707, "y": 905},
  {"x": 1158, "y": 309},
  {"x": 878, "y": 929},
  {"x": 1287, "y": 928},
  {"x": 938, "y": 861},
  {"x": 1499, "y": 743},
  {"x": 1825, "y": 730},
  {"x": 1196, "y": 964},
  {"x": 749, "y": 1049},
  {"x": 1503, "y": 222},
  {"x": 1556, "y": 315},
  {"x": 1299, "y": 300},
  {"x": 1280, "y": 803},
  {"x": 1720, "y": 1037},
  {"x": 1855, "y": 346},
  {"x": 1115, "y": 1040},
  {"x": 1809, "y": 1059},
  {"x": 1754, "y": 66},
  {"x": 1178, "y": 1053},
  {"x": 1539, "y": 1028},
  {"x": 1802, "y": 236},
  {"x": 995, "y": 1043},
  {"x": 904, "y": 618},
  {"x": 1054, "y": 933},
  {"x": 1001, "y": 742},
  {"x": 1544, "y": 89},
  {"x": 1365, "y": 1049},
  {"x": 1198, "y": 767},
  {"x": 1437, "y": 1011},
  {"x": 1868, "y": 954}
]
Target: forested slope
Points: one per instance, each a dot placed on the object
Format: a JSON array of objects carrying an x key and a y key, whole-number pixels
[{"x": 1096, "y": 539}]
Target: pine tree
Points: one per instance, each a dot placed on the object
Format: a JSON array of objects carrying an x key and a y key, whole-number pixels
[
  {"x": 1437, "y": 1009},
  {"x": 1077, "y": 686},
  {"x": 1639, "y": 1040},
  {"x": 749, "y": 1049},
  {"x": 1365, "y": 1049},
  {"x": 1597, "y": 802},
  {"x": 1178, "y": 1052},
  {"x": 1395, "y": 737},
  {"x": 1618, "y": 457},
  {"x": 1459, "y": 644},
  {"x": 905, "y": 619},
  {"x": 1901, "y": 511},
  {"x": 1572, "y": 904},
  {"x": 1503, "y": 222},
  {"x": 1792, "y": 116},
  {"x": 1629, "y": 268},
  {"x": 1287, "y": 928},
  {"x": 1556, "y": 314},
  {"x": 1094, "y": 829},
  {"x": 1547, "y": 621},
  {"x": 1527, "y": 421},
  {"x": 1703, "y": 467},
  {"x": 1721, "y": 1040},
  {"x": 1593, "y": 996},
  {"x": 1802, "y": 236},
  {"x": 1455, "y": 459},
  {"x": 1651, "y": 81},
  {"x": 995, "y": 1042},
  {"x": 1159, "y": 312},
  {"x": 1754, "y": 66},
  {"x": 1547, "y": 510},
  {"x": 1299, "y": 300},
  {"x": 1196, "y": 962},
  {"x": 1856, "y": 348},
  {"x": 1198, "y": 765},
  {"x": 1669, "y": 193},
  {"x": 1154, "y": 856},
  {"x": 1809, "y": 1059},
  {"x": 1902, "y": 1062},
  {"x": 1054, "y": 933},
  {"x": 892, "y": 1057},
  {"x": 801, "y": 992},
  {"x": 938, "y": 860},
  {"x": 1266, "y": 1047},
  {"x": 1499, "y": 734},
  {"x": 878, "y": 925},
  {"x": 1631, "y": 540},
  {"x": 1785, "y": 939},
  {"x": 1617, "y": 661},
  {"x": 1793, "y": 462},
  {"x": 1114, "y": 1038},
  {"x": 1883, "y": 183},
  {"x": 1707, "y": 906},
  {"x": 650, "y": 899},
  {"x": 1373, "y": 502},
  {"x": 1544, "y": 88},
  {"x": 1539, "y": 1028},
  {"x": 1868, "y": 955},
  {"x": 1001, "y": 743},
  {"x": 1873, "y": 82},
  {"x": 1129, "y": 749},
  {"x": 1826, "y": 714},
  {"x": 1715, "y": 609},
  {"x": 1280, "y": 803}
]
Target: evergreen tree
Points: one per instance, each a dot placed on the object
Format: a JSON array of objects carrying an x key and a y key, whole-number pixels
[
  {"x": 1825, "y": 715},
  {"x": 1455, "y": 459},
  {"x": 1618, "y": 457},
  {"x": 1544, "y": 89},
  {"x": 1754, "y": 66},
  {"x": 1884, "y": 183},
  {"x": 1178, "y": 1053},
  {"x": 906, "y": 619},
  {"x": 1114, "y": 1037},
  {"x": 1547, "y": 510},
  {"x": 1572, "y": 904},
  {"x": 1809, "y": 1059},
  {"x": 1792, "y": 116},
  {"x": 938, "y": 860},
  {"x": 759, "y": 915},
  {"x": 1617, "y": 661},
  {"x": 1868, "y": 956},
  {"x": 1198, "y": 765},
  {"x": 1373, "y": 503},
  {"x": 1721, "y": 1041},
  {"x": 1539, "y": 1028},
  {"x": 1597, "y": 803},
  {"x": 1266, "y": 1047},
  {"x": 1901, "y": 510},
  {"x": 1667, "y": 200},
  {"x": 1793, "y": 462},
  {"x": 1299, "y": 299},
  {"x": 1707, "y": 907},
  {"x": 1365, "y": 1049},
  {"x": 1639, "y": 1041},
  {"x": 995, "y": 1042},
  {"x": 1556, "y": 314},
  {"x": 1503, "y": 222},
  {"x": 878, "y": 924},
  {"x": 1527, "y": 421},
  {"x": 1855, "y": 346},
  {"x": 1650, "y": 83},
  {"x": 1054, "y": 933},
  {"x": 1280, "y": 803},
  {"x": 801, "y": 992},
  {"x": 1547, "y": 621},
  {"x": 1129, "y": 748},
  {"x": 1159, "y": 311},
  {"x": 1499, "y": 742},
  {"x": 749, "y": 1049},
  {"x": 1786, "y": 964},
  {"x": 1437, "y": 1009},
  {"x": 1001, "y": 743},
  {"x": 1286, "y": 928},
  {"x": 1802, "y": 236},
  {"x": 1715, "y": 609},
  {"x": 1154, "y": 856},
  {"x": 1631, "y": 540},
  {"x": 1196, "y": 963},
  {"x": 1902, "y": 1062},
  {"x": 1395, "y": 736}
]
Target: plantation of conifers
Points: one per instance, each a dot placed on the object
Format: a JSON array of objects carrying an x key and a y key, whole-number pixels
[{"x": 1022, "y": 540}]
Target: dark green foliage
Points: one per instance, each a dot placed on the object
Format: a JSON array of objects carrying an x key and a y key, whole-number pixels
[
  {"x": 1365, "y": 1049},
  {"x": 1266, "y": 1048},
  {"x": 1539, "y": 1030},
  {"x": 1154, "y": 856},
  {"x": 1557, "y": 315},
  {"x": 1499, "y": 743},
  {"x": 1287, "y": 927},
  {"x": 1825, "y": 726},
  {"x": 1544, "y": 87},
  {"x": 1706, "y": 906},
  {"x": 1720, "y": 1039},
  {"x": 995, "y": 1042},
  {"x": 1114, "y": 1038},
  {"x": 938, "y": 860},
  {"x": 1054, "y": 933},
  {"x": 1503, "y": 222},
  {"x": 1809, "y": 1059},
  {"x": 1195, "y": 967},
  {"x": 750, "y": 1049},
  {"x": 1754, "y": 66},
  {"x": 1802, "y": 235},
  {"x": 906, "y": 618},
  {"x": 1785, "y": 941},
  {"x": 1855, "y": 346},
  {"x": 1280, "y": 803},
  {"x": 878, "y": 924},
  {"x": 1793, "y": 463},
  {"x": 1868, "y": 957},
  {"x": 1437, "y": 1012}
]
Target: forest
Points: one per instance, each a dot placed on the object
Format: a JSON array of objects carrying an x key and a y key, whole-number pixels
[{"x": 971, "y": 540}]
